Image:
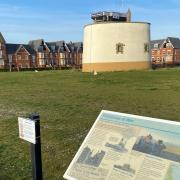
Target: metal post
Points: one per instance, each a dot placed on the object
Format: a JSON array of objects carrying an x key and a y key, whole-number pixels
[{"x": 36, "y": 150}]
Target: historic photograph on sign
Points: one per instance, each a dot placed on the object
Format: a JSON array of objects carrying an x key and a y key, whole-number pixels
[
  {"x": 162, "y": 144},
  {"x": 128, "y": 165},
  {"x": 90, "y": 157}
]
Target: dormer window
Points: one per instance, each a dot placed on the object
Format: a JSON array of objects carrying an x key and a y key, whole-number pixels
[
  {"x": 120, "y": 48},
  {"x": 168, "y": 45},
  {"x": 156, "y": 45}
]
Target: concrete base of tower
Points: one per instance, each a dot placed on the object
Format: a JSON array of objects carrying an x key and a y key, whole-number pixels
[{"x": 115, "y": 66}]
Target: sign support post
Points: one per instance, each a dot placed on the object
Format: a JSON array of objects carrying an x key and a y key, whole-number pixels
[{"x": 36, "y": 150}]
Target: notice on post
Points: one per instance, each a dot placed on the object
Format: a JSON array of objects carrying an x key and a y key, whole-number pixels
[
  {"x": 128, "y": 147},
  {"x": 27, "y": 130}
]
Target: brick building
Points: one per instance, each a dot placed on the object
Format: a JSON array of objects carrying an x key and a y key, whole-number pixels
[
  {"x": 57, "y": 54},
  {"x": 20, "y": 56},
  {"x": 60, "y": 53},
  {"x": 3, "y": 56},
  {"x": 40, "y": 54},
  {"x": 165, "y": 51},
  {"x": 76, "y": 49}
]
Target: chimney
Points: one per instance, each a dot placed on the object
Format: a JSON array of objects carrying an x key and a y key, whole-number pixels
[{"x": 129, "y": 16}]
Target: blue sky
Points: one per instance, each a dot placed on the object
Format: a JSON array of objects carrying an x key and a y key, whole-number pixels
[{"x": 24, "y": 20}]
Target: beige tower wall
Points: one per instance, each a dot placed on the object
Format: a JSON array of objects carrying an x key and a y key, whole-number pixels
[{"x": 100, "y": 40}]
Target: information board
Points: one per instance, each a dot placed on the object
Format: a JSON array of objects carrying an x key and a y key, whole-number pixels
[
  {"x": 27, "y": 130},
  {"x": 128, "y": 147}
]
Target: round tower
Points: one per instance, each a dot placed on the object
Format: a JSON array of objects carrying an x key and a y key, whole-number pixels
[{"x": 114, "y": 43}]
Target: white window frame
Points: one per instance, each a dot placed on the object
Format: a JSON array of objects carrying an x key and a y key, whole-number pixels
[
  {"x": 1, "y": 53},
  {"x": 19, "y": 57},
  {"x": 26, "y": 57}
]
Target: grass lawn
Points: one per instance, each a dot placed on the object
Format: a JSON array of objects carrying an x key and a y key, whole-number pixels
[{"x": 69, "y": 102}]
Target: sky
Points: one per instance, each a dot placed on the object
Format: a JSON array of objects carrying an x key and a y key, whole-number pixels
[{"x": 24, "y": 20}]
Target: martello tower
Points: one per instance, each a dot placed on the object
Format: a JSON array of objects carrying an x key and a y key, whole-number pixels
[{"x": 114, "y": 43}]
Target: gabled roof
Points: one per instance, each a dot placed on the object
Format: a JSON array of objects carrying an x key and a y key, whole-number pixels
[
  {"x": 13, "y": 48},
  {"x": 75, "y": 46},
  {"x": 36, "y": 43},
  {"x": 174, "y": 41},
  {"x": 159, "y": 41},
  {"x": 57, "y": 46},
  {"x": 29, "y": 49},
  {"x": 2, "y": 38},
  {"x": 78, "y": 45},
  {"x": 70, "y": 46},
  {"x": 60, "y": 43},
  {"x": 67, "y": 47}
]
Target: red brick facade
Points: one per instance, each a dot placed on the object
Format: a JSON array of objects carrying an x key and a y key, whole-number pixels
[
  {"x": 177, "y": 56},
  {"x": 78, "y": 59},
  {"x": 165, "y": 52},
  {"x": 21, "y": 59},
  {"x": 3, "y": 56},
  {"x": 60, "y": 59},
  {"x": 40, "y": 54}
]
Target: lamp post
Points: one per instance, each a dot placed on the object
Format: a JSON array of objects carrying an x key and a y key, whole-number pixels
[
  {"x": 33, "y": 61},
  {"x": 10, "y": 62}
]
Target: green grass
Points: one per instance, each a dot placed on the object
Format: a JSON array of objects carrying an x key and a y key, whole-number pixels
[{"x": 69, "y": 102}]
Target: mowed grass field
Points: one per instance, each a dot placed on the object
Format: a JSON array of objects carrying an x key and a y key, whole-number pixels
[{"x": 69, "y": 102}]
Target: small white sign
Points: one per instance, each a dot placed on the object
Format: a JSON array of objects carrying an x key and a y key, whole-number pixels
[{"x": 27, "y": 130}]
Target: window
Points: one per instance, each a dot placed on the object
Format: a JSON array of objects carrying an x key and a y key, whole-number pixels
[
  {"x": 26, "y": 57},
  {"x": 10, "y": 58},
  {"x": 169, "y": 58},
  {"x": 120, "y": 48},
  {"x": 169, "y": 52},
  {"x": 1, "y": 62},
  {"x": 41, "y": 62},
  {"x": 62, "y": 55},
  {"x": 155, "y": 51},
  {"x": 33, "y": 58},
  {"x": 146, "y": 47},
  {"x": 41, "y": 55},
  {"x": 156, "y": 45},
  {"x": 168, "y": 45},
  {"x": 19, "y": 57},
  {"x": 0, "y": 53}
]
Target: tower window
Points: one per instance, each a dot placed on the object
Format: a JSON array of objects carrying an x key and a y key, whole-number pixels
[
  {"x": 120, "y": 48},
  {"x": 146, "y": 47}
]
